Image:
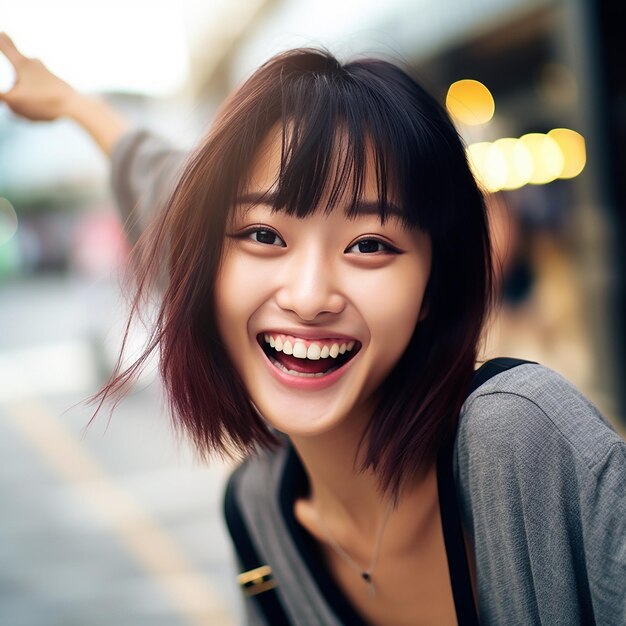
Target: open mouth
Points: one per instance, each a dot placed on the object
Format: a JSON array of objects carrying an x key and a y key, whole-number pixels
[{"x": 323, "y": 362}]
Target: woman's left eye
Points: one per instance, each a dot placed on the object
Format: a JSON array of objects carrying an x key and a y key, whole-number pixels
[{"x": 367, "y": 246}]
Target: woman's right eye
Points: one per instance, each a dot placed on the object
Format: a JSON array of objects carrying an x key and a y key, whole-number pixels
[{"x": 264, "y": 236}]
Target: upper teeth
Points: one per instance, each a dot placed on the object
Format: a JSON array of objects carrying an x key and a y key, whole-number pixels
[{"x": 314, "y": 351}]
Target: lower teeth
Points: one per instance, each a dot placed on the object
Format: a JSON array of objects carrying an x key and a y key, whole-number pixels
[{"x": 294, "y": 373}]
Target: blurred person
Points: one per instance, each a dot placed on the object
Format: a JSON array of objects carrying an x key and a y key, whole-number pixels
[
  {"x": 325, "y": 272},
  {"x": 540, "y": 313}
]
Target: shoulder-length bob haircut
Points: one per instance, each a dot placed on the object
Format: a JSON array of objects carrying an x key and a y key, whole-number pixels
[{"x": 330, "y": 113}]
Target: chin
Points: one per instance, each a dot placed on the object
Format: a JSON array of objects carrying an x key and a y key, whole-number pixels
[
  {"x": 306, "y": 417},
  {"x": 305, "y": 428}
]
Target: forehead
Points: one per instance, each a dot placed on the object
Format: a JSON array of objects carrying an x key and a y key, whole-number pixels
[{"x": 298, "y": 176}]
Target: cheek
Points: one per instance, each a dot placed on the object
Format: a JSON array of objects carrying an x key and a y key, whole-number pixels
[
  {"x": 391, "y": 304},
  {"x": 228, "y": 307},
  {"x": 239, "y": 292}
]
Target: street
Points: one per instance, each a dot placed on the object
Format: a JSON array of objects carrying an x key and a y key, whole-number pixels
[{"x": 114, "y": 524}]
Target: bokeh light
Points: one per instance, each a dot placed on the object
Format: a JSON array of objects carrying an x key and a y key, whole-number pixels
[
  {"x": 476, "y": 156},
  {"x": 547, "y": 156},
  {"x": 8, "y": 221},
  {"x": 518, "y": 159},
  {"x": 536, "y": 158},
  {"x": 470, "y": 102},
  {"x": 572, "y": 145},
  {"x": 488, "y": 164}
]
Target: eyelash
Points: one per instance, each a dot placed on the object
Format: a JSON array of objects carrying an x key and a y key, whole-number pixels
[{"x": 388, "y": 248}]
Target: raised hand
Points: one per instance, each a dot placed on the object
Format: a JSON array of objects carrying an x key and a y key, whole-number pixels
[{"x": 37, "y": 94}]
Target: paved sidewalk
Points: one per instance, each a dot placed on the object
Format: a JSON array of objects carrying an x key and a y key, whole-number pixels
[{"x": 115, "y": 525}]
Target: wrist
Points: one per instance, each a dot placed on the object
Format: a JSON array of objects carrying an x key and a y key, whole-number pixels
[
  {"x": 74, "y": 105},
  {"x": 97, "y": 117}
]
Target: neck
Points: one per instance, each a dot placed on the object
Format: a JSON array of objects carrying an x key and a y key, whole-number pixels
[{"x": 349, "y": 500}]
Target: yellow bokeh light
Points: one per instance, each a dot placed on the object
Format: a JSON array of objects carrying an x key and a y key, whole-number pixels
[
  {"x": 496, "y": 170},
  {"x": 476, "y": 155},
  {"x": 470, "y": 102},
  {"x": 488, "y": 164},
  {"x": 547, "y": 156},
  {"x": 572, "y": 145},
  {"x": 518, "y": 160}
]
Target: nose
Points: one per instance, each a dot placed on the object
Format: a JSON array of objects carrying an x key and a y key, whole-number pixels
[{"x": 309, "y": 286}]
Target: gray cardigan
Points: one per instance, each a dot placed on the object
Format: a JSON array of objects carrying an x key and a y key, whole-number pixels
[{"x": 540, "y": 475}]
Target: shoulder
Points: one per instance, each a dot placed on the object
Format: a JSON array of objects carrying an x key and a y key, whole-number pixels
[
  {"x": 533, "y": 454},
  {"x": 528, "y": 411}
]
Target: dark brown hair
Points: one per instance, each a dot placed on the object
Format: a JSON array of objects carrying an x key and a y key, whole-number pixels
[{"x": 419, "y": 157}]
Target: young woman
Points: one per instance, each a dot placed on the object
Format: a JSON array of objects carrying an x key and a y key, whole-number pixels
[{"x": 325, "y": 272}]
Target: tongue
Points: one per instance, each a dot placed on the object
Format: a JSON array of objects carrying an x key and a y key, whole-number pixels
[{"x": 305, "y": 366}]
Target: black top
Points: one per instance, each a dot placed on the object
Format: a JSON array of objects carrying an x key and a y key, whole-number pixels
[{"x": 295, "y": 484}]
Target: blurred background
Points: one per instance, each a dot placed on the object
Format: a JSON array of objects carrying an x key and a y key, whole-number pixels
[{"x": 120, "y": 523}]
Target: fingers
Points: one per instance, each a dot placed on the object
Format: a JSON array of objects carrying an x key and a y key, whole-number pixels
[{"x": 10, "y": 51}]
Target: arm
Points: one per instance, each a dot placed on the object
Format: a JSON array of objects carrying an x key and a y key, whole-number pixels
[
  {"x": 144, "y": 169},
  {"x": 604, "y": 527},
  {"x": 101, "y": 121},
  {"x": 143, "y": 166}
]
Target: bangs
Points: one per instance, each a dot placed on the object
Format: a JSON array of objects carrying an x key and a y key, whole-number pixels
[{"x": 335, "y": 133}]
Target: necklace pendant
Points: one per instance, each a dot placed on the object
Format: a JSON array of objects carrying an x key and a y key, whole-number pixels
[{"x": 370, "y": 585}]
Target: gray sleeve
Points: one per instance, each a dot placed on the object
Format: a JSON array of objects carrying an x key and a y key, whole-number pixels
[
  {"x": 603, "y": 506},
  {"x": 543, "y": 492},
  {"x": 144, "y": 170}
]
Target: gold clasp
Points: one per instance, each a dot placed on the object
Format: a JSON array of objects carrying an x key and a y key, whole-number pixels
[{"x": 257, "y": 580}]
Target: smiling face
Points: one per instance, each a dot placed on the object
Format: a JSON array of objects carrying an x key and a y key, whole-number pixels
[{"x": 315, "y": 285}]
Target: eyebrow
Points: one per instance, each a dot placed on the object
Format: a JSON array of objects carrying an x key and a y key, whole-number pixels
[{"x": 361, "y": 208}]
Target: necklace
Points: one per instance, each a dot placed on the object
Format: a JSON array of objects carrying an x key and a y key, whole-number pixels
[{"x": 366, "y": 574}]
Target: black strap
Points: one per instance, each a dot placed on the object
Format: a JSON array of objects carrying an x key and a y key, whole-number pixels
[
  {"x": 258, "y": 581},
  {"x": 492, "y": 367},
  {"x": 466, "y": 611}
]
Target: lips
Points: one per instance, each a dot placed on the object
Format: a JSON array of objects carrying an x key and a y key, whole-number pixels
[{"x": 296, "y": 355}]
